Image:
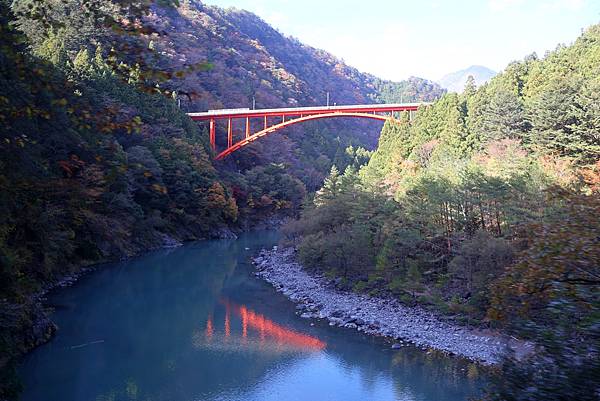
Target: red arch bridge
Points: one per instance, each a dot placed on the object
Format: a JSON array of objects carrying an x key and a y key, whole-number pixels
[{"x": 271, "y": 120}]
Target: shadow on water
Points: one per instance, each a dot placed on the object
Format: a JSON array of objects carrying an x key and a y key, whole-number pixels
[{"x": 192, "y": 323}]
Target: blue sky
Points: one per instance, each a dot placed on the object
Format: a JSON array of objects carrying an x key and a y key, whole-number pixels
[{"x": 395, "y": 39}]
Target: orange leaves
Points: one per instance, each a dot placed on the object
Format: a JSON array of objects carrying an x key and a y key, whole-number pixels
[
  {"x": 216, "y": 194},
  {"x": 591, "y": 176},
  {"x": 217, "y": 199},
  {"x": 160, "y": 188},
  {"x": 560, "y": 262},
  {"x": 65, "y": 166},
  {"x": 72, "y": 166}
]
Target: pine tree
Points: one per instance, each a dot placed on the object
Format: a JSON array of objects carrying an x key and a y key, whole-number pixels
[
  {"x": 470, "y": 87},
  {"x": 331, "y": 187}
]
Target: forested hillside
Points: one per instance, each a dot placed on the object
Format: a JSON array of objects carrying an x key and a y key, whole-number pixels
[
  {"x": 92, "y": 168},
  {"x": 252, "y": 63},
  {"x": 98, "y": 162},
  {"x": 485, "y": 208},
  {"x": 250, "y": 59}
]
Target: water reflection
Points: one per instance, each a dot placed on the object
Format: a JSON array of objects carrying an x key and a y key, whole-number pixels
[
  {"x": 194, "y": 324},
  {"x": 253, "y": 332}
]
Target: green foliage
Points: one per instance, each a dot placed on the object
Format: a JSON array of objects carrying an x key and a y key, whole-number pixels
[
  {"x": 478, "y": 261},
  {"x": 440, "y": 204},
  {"x": 558, "y": 267},
  {"x": 254, "y": 64},
  {"x": 412, "y": 90},
  {"x": 271, "y": 189},
  {"x": 564, "y": 369},
  {"x": 552, "y": 296},
  {"x": 122, "y": 27},
  {"x": 486, "y": 207},
  {"x": 96, "y": 164},
  {"x": 91, "y": 169}
]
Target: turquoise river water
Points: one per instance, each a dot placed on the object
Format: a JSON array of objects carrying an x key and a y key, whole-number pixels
[{"x": 193, "y": 323}]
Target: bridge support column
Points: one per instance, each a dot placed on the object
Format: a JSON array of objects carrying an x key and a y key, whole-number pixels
[
  {"x": 290, "y": 116},
  {"x": 229, "y": 133},
  {"x": 211, "y": 137}
]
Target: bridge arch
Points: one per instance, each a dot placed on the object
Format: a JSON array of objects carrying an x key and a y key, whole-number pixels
[
  {"x": 290, "y": 116},
  {"x": 248, "y": 140}
]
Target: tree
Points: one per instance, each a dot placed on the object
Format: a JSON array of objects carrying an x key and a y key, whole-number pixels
[
  {"x": 552, "y": 296},
  {"x": 504, "y": 117},
  {"x": 479, "y": 261},
  {"x": 584, "y": 142},
  {"x": 470, "y": 87},
  {"x": 331, "y": 187}
]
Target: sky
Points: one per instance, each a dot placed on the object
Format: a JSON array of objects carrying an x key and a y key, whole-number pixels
[{"x": 395, "y": 39}]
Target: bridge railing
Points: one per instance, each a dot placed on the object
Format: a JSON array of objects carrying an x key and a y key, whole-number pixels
[{"x": 291, "y": 115}]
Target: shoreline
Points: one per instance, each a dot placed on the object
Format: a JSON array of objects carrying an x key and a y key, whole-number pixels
[
  {"x": 32, "y": 319},
  {"x": 384, "y": 317}
]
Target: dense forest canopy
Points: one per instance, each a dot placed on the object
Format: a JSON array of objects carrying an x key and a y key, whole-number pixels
[
  {"x": 485, "y": 208},
  {"x": 99, "y": 161},
  {"x": 254, "y": 64}
]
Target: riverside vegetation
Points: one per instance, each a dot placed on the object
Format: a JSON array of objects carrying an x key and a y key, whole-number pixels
[
  {"x": 486, "y": 207},
  {"x": 98, "y": 162},
  {"x": 463, "y": 209},
  {"x": 317, "y": 297}
]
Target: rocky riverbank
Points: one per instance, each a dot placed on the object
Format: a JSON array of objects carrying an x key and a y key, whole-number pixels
[{"x": 318, "y": 298}]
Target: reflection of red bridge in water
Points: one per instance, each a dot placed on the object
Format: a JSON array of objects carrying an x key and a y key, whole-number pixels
[{"x": 265, "y": 329}]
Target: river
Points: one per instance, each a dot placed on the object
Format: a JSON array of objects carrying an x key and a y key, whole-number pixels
[{"x": 193, "y": 323}]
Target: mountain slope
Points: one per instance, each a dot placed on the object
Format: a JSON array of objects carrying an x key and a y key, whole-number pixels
[
  {"x": 95, "y": 165},
  {"x": 455, "y": 81},
  {"x": 482, "y": 208},
  {"x": 252, "y": 59},
  {"x": 253, "y": 62}
]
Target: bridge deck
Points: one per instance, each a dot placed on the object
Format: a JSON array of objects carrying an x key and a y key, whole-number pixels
[{"x": 296, "y": 111}]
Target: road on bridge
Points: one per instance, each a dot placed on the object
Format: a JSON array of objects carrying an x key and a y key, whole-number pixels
[{"x": 275, "y": 119}]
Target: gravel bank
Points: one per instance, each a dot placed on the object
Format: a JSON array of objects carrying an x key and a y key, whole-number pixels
[{"x": 317, "y": 298}]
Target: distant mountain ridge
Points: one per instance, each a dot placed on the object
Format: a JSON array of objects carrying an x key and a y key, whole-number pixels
[{"x": 455, "y": 81}]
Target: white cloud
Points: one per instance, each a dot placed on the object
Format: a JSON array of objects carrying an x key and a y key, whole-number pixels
[
  {"x": 393, "y": 52},
  {"x": 432, "y": 38},
  {"x": 500, "y": 5},
  {"x": 571, "y": 5}
]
